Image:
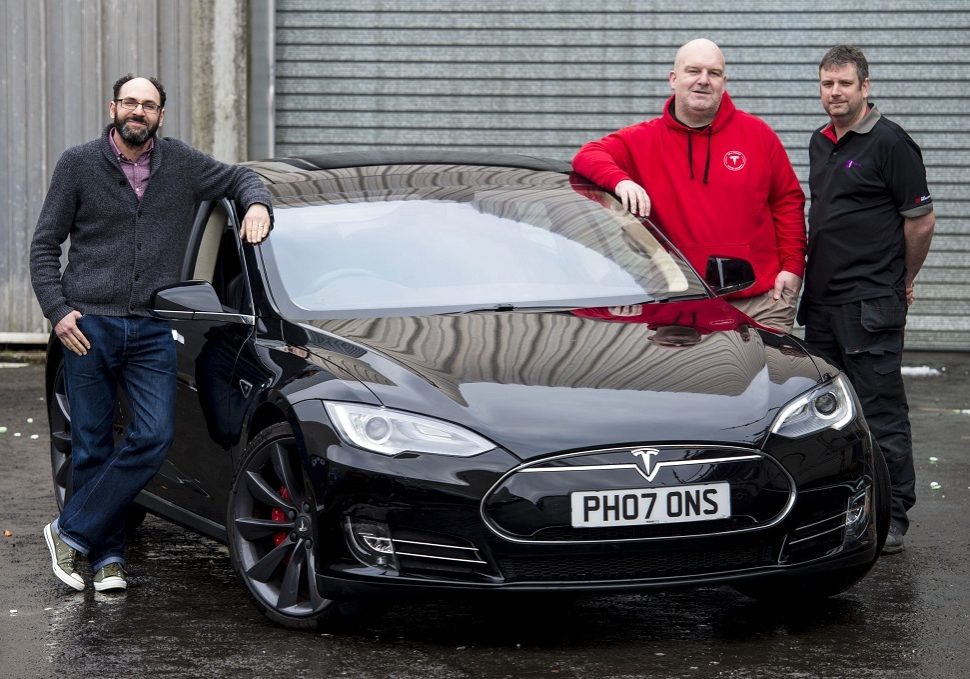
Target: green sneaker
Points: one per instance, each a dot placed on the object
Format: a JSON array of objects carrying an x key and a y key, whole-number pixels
[
  {"x": 63, "y": 558},
  {"x": 111, "y": 578}
]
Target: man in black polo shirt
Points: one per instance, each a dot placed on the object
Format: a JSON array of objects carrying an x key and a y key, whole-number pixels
[{"x": 870, "y": 225}]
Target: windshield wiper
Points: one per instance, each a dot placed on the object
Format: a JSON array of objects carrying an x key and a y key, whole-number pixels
[
  {"x": 502, "y": 307},
  {"x": 681, "y": 298}
]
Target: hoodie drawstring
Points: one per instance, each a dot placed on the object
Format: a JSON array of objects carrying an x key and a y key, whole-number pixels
[
  {"x": 690, "y": 153},
  {"x": 707, "y": 163}
]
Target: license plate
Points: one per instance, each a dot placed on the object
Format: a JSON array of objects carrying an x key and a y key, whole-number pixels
[{"x": 640, "y": 506}]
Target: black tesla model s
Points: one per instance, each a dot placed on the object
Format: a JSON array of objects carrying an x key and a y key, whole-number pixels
[{"x": 478, "y": 372}]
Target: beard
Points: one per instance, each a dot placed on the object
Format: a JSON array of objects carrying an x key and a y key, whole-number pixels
[{"x": 135, "y": 137}]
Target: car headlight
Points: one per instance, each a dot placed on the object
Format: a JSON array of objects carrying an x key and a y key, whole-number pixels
[
  {"x": 390, "y": 432},
  {"x": 831, "y": 405}
]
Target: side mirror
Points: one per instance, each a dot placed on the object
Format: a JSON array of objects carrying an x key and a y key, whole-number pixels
[
  {"x": 728, "y": 274},
  {"x": 193, "y": 300}
]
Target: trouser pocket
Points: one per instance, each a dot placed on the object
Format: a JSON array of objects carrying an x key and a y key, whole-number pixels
[{"x": 882, "y": 313}]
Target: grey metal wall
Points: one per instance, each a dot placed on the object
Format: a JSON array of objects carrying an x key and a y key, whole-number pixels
[
  {"x": 542, "y": 77},
  {"x": 58, "y": 60}
]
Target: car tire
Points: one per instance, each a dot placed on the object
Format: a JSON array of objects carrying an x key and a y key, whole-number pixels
[
  {"x": 271, "y": 527},
  {"x": 814, "y": 587},
  {"x": 884, "y": 496},
  {"x": 59, "y": 418},
  {"x": 61, "y": 451}
]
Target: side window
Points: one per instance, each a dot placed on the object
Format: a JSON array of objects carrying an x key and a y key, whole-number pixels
[{"x": 229, "y": 277}]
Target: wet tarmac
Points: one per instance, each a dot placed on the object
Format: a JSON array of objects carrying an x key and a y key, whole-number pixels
[{"x": 185, "y": 616}]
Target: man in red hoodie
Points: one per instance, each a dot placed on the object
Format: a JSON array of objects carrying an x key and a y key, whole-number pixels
[{"x": 716, "y": 179}]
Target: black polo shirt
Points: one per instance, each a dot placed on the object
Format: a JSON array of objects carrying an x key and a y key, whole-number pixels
[{"x": 862, "y": 187}]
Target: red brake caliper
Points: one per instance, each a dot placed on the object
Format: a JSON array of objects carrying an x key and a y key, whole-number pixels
[{"x": 278, "y": 514}]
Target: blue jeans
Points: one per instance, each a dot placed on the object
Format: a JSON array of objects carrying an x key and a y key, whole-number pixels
[{"x": 138, "y": 355}]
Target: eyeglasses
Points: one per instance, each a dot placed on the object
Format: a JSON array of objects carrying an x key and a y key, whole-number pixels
[{"x": 129, "y": 104}]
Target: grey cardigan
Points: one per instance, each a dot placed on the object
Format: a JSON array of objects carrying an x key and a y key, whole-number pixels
[{"x": 121, "y": 249}]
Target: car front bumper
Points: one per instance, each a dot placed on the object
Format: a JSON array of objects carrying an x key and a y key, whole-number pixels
[{"x": 429, "y": 523}]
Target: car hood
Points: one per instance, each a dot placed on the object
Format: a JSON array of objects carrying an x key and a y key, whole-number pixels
[{"x": 536, "y": 383}]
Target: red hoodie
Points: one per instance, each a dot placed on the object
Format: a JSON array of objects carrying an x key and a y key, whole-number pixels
[{"x": 727, "y": 189}]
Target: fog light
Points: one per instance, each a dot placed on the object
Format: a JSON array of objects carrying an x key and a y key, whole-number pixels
[
  {"x": 370, "y": 542},
  {"x": 857, "y": 515}
]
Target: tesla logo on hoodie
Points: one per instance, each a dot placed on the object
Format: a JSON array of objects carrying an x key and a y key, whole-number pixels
[{"x": 734, "y": 161}]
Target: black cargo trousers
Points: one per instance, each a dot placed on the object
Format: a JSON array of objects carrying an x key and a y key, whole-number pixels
[{"x": 865, "y": 338}]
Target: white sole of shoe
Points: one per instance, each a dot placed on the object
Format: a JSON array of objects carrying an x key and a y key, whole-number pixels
[
  {"x": 111, "y": 585},
  {"x": 72, "y": 580}
]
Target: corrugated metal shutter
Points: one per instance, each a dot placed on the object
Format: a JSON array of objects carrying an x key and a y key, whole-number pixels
[{"x": 543, "y": 77}]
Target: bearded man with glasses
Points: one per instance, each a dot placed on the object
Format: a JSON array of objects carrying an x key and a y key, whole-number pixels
[{"x": 127, "y": 202}]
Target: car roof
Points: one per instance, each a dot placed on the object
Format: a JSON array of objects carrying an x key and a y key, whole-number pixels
[{"x": 279, "y": 170}]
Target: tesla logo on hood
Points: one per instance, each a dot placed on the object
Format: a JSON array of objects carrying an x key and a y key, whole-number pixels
[{"x": 646, "y": 459}]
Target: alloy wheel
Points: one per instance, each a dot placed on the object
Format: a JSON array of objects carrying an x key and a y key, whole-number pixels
[{"x": 272, "y": 528}]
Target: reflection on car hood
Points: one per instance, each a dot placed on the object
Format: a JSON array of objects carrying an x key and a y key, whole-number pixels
[{"x": 542, "y": 382}]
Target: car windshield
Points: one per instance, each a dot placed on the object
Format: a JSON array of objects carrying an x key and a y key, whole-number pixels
[{"x": 394, "y": 253}]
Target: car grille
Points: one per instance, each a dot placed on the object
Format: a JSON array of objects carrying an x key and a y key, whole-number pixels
[
  {"x": 613, "y": 567},
  {"x": 533, "y": 503}
]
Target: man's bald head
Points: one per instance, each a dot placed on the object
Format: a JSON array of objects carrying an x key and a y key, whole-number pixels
[
  {"x": 701, "y": 48},
  {"x": 698, "y": 82}
]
